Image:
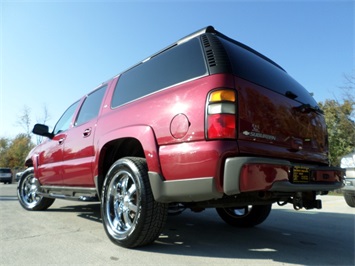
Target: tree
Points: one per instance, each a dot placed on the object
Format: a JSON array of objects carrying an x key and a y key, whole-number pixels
[
  {"x": 24, "y": 120},
  {"x": 4, "y": 147},
  {"x": 14, "y": 151},
  {"x": 18, "y": 150},
  {"x": 339, "y": 117},
  {"x": 44, "y": 118}
]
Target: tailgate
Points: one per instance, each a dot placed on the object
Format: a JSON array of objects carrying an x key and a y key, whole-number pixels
[{"x": 277, "y": 126}]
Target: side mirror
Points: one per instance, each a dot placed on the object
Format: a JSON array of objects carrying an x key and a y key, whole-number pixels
[{"x": 42, "y": 130}]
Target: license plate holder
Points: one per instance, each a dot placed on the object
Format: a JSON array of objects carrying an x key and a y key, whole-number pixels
[{"x": 300, "y": 175}]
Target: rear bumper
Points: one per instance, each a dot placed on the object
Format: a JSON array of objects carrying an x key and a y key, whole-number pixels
[
  {"x": 243, "y": 175},
  {"x": 246, "y": 174}
]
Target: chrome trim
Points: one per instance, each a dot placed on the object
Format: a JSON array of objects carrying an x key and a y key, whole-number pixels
[{"x": 69, "y": 193}]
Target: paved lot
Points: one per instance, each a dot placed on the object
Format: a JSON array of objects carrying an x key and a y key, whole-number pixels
[{"x": 71, "y": 233}]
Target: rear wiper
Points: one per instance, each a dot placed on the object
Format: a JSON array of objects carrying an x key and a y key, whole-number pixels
[
  {"x": 291, "y": 95},
  {"x": 307, "y": 108}
]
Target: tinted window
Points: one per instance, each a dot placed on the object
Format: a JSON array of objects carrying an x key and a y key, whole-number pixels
[
  {"x": 65, "y": 120},
  {"x": 254, "y": 68},
  {"x": 5, "y": 170},
  {"x": 180, "y": 63},
  {"x": 91, "y": 106}
]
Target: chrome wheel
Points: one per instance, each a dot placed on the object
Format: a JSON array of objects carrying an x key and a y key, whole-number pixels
[
  {"x": 28, "y": 195},
  {"x": 130, "y": 215},
  {"x": 246, "y": 216},
  {"x": 28, "y": 191},
  {"x": 240, "y": 212},
  {"x": 121, "y": 204}
]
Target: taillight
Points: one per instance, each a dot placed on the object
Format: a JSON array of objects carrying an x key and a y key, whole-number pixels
[{"x": 220, "y": 114}]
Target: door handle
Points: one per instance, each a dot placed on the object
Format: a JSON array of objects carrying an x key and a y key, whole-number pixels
[
  {"x": 60, "y": 141},
  {"x": 87, "y": 132}
]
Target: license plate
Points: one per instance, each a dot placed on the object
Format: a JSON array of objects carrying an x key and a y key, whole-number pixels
[{"x": 300, "y": 175}]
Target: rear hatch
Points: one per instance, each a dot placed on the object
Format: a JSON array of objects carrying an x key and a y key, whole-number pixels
[{"x": 277, "y": 117}]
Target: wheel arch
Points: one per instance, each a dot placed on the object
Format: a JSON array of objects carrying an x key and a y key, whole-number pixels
[
  {"x": 137, "y": 141},
  {"x": 31, "y": 161}
]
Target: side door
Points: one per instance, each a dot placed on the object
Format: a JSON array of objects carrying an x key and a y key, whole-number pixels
[
  {"x": 50, "y": 157},
  {"x": 78, "y": 150}
]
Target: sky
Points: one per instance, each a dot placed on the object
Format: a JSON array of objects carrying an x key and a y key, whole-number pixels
[{"x": 54, "y": 52}]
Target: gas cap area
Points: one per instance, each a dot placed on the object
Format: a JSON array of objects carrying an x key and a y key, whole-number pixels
[{"x": 179, "y": 126}]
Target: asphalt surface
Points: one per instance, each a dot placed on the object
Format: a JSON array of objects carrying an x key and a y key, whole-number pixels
[{"x": 71, "y": 233}]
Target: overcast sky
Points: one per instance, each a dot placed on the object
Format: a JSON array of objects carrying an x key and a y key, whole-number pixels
[{"x": 54, "y": 52}]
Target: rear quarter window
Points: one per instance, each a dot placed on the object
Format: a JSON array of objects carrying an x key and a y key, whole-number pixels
[{"x": 175, "y": 65}]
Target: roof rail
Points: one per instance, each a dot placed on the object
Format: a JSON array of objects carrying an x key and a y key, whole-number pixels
[{"x": 208, "y": 29}]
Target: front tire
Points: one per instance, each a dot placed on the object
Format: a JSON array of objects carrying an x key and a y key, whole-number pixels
[
  {"x": 27, "y": 193},
  {"x": 247, "y": 216},
  {"x": 131, "y": 217}
]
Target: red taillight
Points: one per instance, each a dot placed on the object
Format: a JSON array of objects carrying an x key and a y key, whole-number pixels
[
  {"x": 221, "y": 126},
  {"x": 221, "y": 115}
]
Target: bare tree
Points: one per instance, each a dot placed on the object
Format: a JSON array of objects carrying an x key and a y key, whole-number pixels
[
  {"x": 45, "y": 116},
  {"x": 349, "y": 92},
  {"x": 24, "y": 120},
  {"x": 42, "y": 120}
]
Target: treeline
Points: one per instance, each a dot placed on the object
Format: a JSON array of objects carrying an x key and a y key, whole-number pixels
[{"x": 14, "y": 151}]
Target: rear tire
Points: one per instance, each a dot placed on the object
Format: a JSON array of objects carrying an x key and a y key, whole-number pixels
[
  {"x": 131, "y": 217},
  {"x": 247, "y": 216},
  {"x": 349, "y": 199},
  {"x": 27, "y": 193}
]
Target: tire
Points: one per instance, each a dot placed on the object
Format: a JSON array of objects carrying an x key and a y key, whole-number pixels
[
  {"x": 27, "y": 193},
  {"x": 248, "y": 216},
  {"x": 130, "y": 215},
  {"x": 349, "y": 199}
]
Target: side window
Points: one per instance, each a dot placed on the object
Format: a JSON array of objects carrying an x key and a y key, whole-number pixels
[
  {"x": 91, "y": 106},
  {"x": 178, "y": 64},
  {"x": 65, "y": 120}
]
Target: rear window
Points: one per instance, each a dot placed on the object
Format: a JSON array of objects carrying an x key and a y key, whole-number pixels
[
  {"x": 178, "y": 64},
  {"x": 251, "y": 67}
]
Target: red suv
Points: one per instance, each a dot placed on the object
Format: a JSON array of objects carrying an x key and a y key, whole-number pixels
[{"x": 207, "y": 122}]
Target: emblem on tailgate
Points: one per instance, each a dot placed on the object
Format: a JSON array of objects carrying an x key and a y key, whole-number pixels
[{"x": 259, "y": 135}]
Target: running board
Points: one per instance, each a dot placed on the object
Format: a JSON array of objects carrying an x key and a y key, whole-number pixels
[{"x": 69, "y": 193}]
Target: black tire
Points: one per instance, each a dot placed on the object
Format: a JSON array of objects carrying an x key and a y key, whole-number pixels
[
  {"x": 130, "y": 215},
  {"x": 247, "y": 216},
  {"x": 349, "y": 199},
  {"x": 27, "y": 193}
]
